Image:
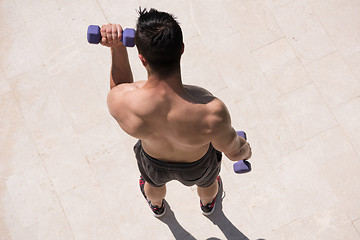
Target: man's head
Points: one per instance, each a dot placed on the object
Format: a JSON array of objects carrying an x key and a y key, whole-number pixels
[{"x": 159, "y": 41}]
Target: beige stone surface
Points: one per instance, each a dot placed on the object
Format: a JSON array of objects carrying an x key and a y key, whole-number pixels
[
  {"x": 288, "y": 70},
  {"x": 357, "y": 225}
]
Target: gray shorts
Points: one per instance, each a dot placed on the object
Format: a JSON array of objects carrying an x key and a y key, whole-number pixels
[{"x": 202, "y": 172}]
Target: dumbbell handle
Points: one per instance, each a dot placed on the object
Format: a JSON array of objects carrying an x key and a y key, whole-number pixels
[
  {"x": 94, "y": 36},
  {"x": 242, "y": 166}
]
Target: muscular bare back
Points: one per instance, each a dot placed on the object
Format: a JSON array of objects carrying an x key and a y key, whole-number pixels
[
  {"x": 175, "y": 122},
  {"x": 175, "y": 125}
]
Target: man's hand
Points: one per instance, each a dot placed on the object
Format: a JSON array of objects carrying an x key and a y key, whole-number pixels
[
  {"x": 246, "y": 151},
  {"x": 111, "y": 35}
]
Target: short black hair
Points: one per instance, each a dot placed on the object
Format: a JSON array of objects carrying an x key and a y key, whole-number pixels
[{"x": 159, "y": 39}]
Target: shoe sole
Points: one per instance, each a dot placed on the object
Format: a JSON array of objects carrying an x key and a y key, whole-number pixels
[
  {"x": 159, "y": 215},
  {"x": 211, "y": 212}
]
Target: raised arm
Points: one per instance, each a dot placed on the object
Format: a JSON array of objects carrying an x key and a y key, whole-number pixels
[
  {"x": 120, "y": 67},
  {"x": 225, "y": 138}
]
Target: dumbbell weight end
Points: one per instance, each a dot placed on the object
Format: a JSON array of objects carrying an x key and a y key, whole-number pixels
[{"x": 93, "y": 34}]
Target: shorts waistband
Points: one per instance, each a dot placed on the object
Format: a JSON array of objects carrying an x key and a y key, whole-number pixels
[{"x": 177, "y": 165}]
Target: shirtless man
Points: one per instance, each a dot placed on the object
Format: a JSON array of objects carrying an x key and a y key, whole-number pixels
[{"x": 182, "y": 129}]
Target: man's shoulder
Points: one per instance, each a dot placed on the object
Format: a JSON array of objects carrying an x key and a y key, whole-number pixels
[
  {"x": 200, "y": 94},
  {"x": 218, "y": 115},
  {"x": 123, "y": 88},
  {"x": 206, "y": 103},
  {"x": 119, "y": 97},
  {"x": 212, "y": 105},
  {"x": 121, "y": 91},
  {"x": 217, "y": 107}
]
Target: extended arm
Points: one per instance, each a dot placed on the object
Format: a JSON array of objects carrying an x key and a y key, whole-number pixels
[
  {"x": 120, "y": 66},
  {"x": 226, "y": 140}
]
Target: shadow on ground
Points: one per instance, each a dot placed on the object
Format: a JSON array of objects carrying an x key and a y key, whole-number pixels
[
  {"x": 177, "y": 230},
  {"x": 218, "y": 218},
  {"x": 225, "y": 225}
]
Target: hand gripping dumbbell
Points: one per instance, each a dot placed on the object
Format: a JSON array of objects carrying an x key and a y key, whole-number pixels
[
  {"x": 242, "y": 166},
  {"x": 94, "y": 36}
]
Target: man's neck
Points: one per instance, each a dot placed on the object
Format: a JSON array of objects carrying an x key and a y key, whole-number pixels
[{"x": 172, "y": 81}]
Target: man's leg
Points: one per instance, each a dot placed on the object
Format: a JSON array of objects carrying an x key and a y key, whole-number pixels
[
  {"x": 208, "y": 194},
  {"x": 155, "y": 194}
]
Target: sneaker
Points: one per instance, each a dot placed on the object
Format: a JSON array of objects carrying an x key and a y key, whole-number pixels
[
  {"x": 209, "y": 208},
  {"x": 156, "y": 210}
]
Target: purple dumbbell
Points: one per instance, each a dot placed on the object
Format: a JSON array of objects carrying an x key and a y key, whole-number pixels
[
  {"x": 242, "y": 166},
  {"x": 94, "y": 36}
]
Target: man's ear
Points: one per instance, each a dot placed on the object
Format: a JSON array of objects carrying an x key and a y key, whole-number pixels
[
  {"x": 143, "y": 60},
  {"x": 183, "y": 48}
]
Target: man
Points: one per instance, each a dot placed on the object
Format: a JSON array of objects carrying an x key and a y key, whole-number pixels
[{"x": 182, "y": 129}]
